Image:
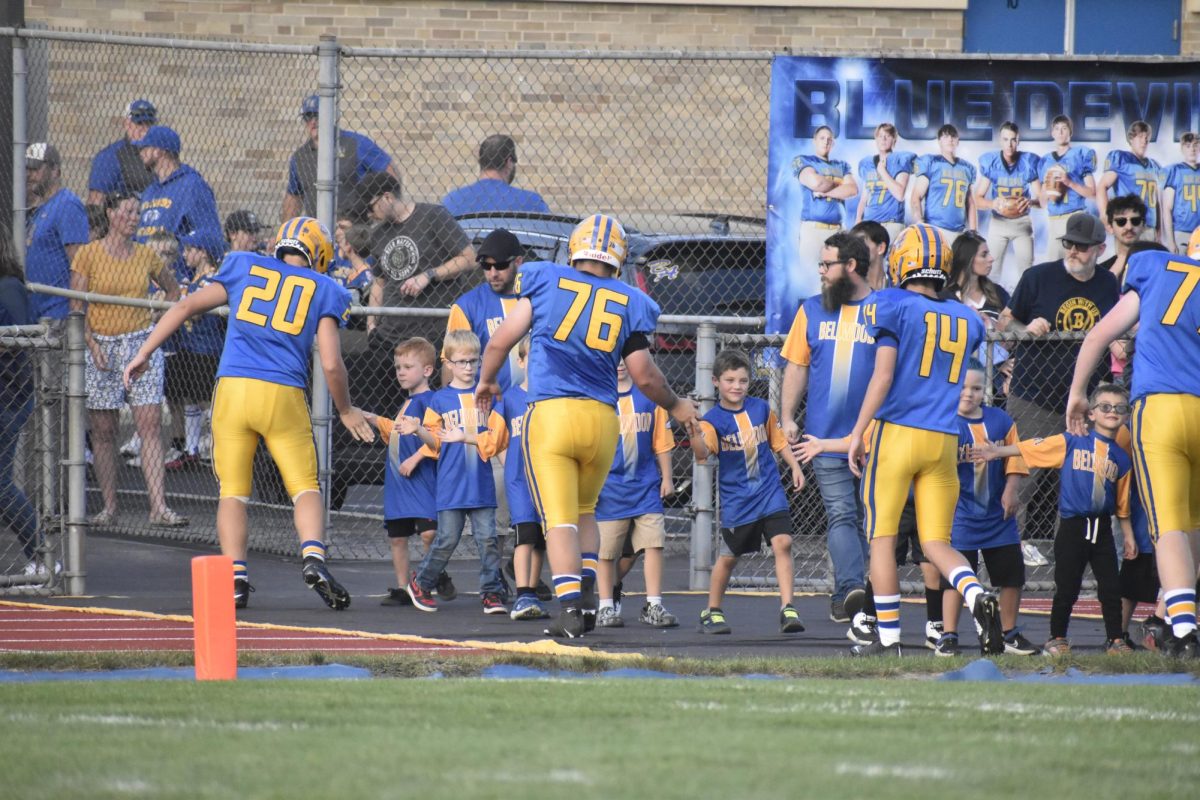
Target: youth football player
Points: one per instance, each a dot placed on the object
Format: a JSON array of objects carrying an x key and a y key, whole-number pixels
[{"x": 941, "y": 194}]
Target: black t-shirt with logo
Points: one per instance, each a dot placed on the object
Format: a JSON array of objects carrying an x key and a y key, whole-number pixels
[{"x": 1042, "y": 372}]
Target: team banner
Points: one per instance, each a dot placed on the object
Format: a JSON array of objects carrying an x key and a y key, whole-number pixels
[{"x": 919, "y": 96}]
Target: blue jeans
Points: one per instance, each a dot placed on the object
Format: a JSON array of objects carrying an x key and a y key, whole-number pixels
[
  {"x": 848, "y": 546},
  {"x": 16, "y": 512},
  {"x": 449, "y": 532}
]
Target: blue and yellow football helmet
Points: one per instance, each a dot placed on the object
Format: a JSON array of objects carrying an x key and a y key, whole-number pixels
[
  {"x": 309, "y": 238},
  {"x": 920, "y": 251},
  {"x": 599, "y": 237}
]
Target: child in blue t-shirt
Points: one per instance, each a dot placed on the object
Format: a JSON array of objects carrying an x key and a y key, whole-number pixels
[
  {"x": 1094, "y": 474},
  {"x": 465, "y": 487},
  {"x": 744, "y": 434}
]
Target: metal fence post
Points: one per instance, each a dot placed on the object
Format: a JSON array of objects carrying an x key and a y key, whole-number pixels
[
  {"x": 19, "y": 134},
  {"x": 327, "y": 86},
  {"x": 702, "y": 474},
  {"x": 76, "y": 538}
]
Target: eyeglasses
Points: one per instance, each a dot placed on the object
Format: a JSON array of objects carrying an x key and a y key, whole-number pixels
[
  {"x": 823, "y": 266},
  {"x": 1121, "y": 222},
  {"x": 1108, "y": 408},
  {"x": 498, "y": 265},
  {"x": 1078, "y": 247},
  {"x": 463, "y": 362}
]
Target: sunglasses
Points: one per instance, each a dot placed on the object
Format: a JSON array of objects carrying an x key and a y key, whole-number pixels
[
  {"x": 498, "y": 265},
  {"x": 1109, "y": 408},
  {"x": 1078, "y": 247},
  {"x": 1121, "y": 222}
]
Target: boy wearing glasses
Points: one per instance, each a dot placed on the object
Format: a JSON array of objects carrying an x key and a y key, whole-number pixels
[{"x": 1095, "y": 474}]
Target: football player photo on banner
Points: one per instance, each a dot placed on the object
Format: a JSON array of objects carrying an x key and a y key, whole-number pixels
[{"x": 1007, "y": 148}]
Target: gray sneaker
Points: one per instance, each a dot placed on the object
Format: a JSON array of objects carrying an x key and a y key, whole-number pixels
[
  {"x": 654, "y": 615},
  {"x": 607, "y": 617}
]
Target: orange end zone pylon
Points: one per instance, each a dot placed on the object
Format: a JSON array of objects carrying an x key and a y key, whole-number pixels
[{"x": 214, "y": 619}]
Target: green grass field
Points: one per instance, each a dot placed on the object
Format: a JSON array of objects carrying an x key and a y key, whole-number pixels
[{"x": 696, "y": 738}]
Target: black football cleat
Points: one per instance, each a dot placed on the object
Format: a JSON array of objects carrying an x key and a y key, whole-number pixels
[{"x": 317, "y": 576}]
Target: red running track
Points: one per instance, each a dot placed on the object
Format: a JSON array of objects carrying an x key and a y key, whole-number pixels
[{"x": 24, "y": 630}]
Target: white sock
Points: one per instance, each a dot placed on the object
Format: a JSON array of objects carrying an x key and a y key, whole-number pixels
[
  {"x": 607, "y": 604},
  {"x": 654, "y": 600},
  {"x": 193, "y": 426}
]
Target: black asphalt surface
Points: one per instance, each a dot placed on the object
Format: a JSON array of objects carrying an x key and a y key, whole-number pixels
[{"x": 154, "y": 576}]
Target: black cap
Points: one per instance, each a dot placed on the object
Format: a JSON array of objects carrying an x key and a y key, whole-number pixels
[
  {"x": 243, "y": 220},
  {"x": 1084, "y": 228},
  {"x": 500, "y": 245}
]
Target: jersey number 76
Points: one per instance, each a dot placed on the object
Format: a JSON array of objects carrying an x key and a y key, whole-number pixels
[{"x": 602, "y": 326}]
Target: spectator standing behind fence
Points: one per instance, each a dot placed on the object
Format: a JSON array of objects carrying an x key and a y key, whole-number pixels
[
  {"x": 494, "y": 190},
  {"x": 1067, "y": 183},
  {"x": 243, "y": 231},
  {"x": 179, "y": 201},
  {"x": 941, "y": 194},
  {"x": 970, "y": 284},
  {"x": 1181, "y": 196},
  {"x": 1133, "y": 172},
  {"x": 357, "y": 156},
  {"x": 885, "y": 177},
  {"x": 825, "y": 185},
  {"x": 1125, "y": 220},
  {"x": 119, "y": 267},
  {"x": 16, "y": 404},
  {"x": 55, "y": 227},
  {"x": 1069, "y": 295},
  {"x": 878, "y": 241},
  {"x": 830, "y": 356},
  {"x": 119, "y": 167},
  {"x": 1008, "y": 185}
]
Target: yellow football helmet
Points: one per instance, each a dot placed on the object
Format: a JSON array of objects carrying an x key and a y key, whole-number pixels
[
  {"x": 599, "y": 238},
  {"x": 309, "y": 238},
  {"x": 1193, "y": 248},
  {"x": 920, "y": 252}
]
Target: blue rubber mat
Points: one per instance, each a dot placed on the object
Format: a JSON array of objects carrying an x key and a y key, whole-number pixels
[
  {"x": 984, "y": 670},
  {"x": 324, "y": 672}
]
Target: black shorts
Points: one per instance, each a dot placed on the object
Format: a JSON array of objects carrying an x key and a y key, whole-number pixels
[
  {"x": 1005, "y": 565},
  {"x": 749, "y": 538},
  {"x": 1139, "y": 578},
  {"x": 531, "y": 533},
  {"x": 407, "y": 526},
  {"x": 191, "y": 377}
]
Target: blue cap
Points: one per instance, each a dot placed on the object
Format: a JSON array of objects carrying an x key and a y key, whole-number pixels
[
  {"x": 311, "y": 105},
  {"x": 142, "y": 111},
  {"x": 212, "y": 242},
  {"x": 162, "y": 137}
]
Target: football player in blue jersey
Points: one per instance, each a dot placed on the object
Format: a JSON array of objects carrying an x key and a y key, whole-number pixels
[
  {"x": 278, "y": 306},
  {"x": 1067, "y": 179},
  {"x": 921, "y": 348},
  {"x": 825, "y": 186},
  {"x": 1133, "y": 172},
  {"x": 941, "y": 193},
  {"x": 885, "y": 177},
  {"x": 1181, "y": 196},
  {"x": 1008, "y": 186},
  {"x": 582, "y": 320},
  {"x": 1163, "y": 300}
]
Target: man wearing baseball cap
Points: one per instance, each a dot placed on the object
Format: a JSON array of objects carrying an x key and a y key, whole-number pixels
[
  {"x": 179, "y": 201},
  {"x": 55, "y": 227},
  {"x": 243, "y": 229},
  {"x": 357, "y": 155},
  {"x": 1069, "y": 295},
  {"x": 118, "y": 168}
]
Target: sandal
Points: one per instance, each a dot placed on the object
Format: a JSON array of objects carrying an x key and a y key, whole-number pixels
[
  {"x": 168, "y": 519},
  {"x": 105, "y": 517}
]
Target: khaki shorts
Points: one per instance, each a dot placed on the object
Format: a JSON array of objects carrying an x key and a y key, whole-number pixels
[{"x": 648, "y": 531}]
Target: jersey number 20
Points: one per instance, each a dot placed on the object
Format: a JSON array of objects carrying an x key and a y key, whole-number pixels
[
  {"x": 286, "y": 300},
  {"x": 948, "y": 334},
  {"x": 603, "y": 325}
]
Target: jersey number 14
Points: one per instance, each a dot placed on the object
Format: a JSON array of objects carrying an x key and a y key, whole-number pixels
[{"x": 948, "y": 334}]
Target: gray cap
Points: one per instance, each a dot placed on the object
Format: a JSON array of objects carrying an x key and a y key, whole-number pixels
[{"x": 1084, "y": 228}]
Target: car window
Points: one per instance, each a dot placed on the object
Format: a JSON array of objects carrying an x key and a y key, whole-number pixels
[{"x": 704, "y": 277}]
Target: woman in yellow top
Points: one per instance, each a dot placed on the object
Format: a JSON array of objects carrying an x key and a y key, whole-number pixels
[{"x": 116, "y": 265}]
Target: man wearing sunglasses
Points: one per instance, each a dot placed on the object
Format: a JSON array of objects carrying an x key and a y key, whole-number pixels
[
  {"x": 1067, "y": 295},
  {"x": 482, "y": 309},
  {"x": 1125, "y": 218}
]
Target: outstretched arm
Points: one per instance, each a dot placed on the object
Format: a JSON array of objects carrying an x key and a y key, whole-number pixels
[
  {"x": 505, "y": 338},
  {"x": 329, "y": 345},
  {"x": 206, "y": 299},
  {"x": 1122, "y": 317},
  {"x": 650, "y": 380}
]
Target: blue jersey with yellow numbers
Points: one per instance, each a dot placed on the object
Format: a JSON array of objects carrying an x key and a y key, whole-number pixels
[
  {"x": 1166, "y": 356},
  {"x": 512, "y": 408},
  {"x": 745, "y": 442},
  {"x": 482, "y": 310},
  {"x": 464, "y": 478},
  {"x": 1185, "y": 206},
  {"x": 840, "y": 356},
  {"x": 580, "y": 325},
  {"x": 1009, "y": 180},
  {"x": 1094, "y": 472},
  {"x": 979, "y": 521},
  {"x": 411, "y": 496},
  {"x": 274, "y": 309},
  {"x": 949, "y": 186},
  {"x": 1136, "y": 176},
  {"x": 1078, "y": 162},
  {"x": 632, "y": 486},
  {"x": 879, "y": 204},
  {"x": 933, "y": 340},
  {"x": 820, "y": 209}
]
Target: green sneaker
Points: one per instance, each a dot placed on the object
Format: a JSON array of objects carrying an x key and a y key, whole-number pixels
[
  {"x": 712, "y": 620},
  {"x": 789, "y": 620}
]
